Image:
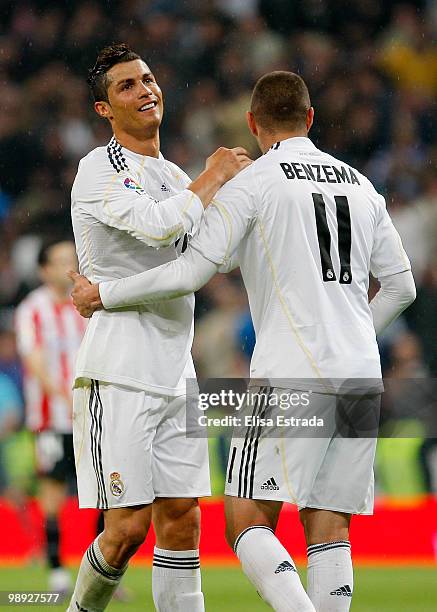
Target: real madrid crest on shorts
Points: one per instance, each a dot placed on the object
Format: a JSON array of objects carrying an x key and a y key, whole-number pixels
[{"x": 117, "y": 486}]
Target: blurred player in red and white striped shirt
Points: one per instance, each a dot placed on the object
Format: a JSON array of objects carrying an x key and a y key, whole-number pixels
[{"x": 49, "y": 333}]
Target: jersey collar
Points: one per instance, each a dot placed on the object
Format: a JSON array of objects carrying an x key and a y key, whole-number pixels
[
  {"x": 158, "y": 162},
  {"x": 298, "y": 143}
]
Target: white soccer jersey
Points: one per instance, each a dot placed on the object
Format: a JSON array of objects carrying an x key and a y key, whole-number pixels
[
  {"x": 307, "y": 229},
  {"x": 130, "y": 213},
  {"x": 57, "y": 330}
]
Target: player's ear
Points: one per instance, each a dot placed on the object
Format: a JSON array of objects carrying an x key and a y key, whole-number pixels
[
  {"x": 103, "y": 109},
  {"x": 310, "y": 118},
  {"x": 251, "y": 123}
]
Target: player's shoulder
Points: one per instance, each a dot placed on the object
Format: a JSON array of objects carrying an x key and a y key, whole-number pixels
[
  {"x": 176, "y": 170},
  {"x": 239, "y": 190},
  {"x": 264, "y": 163},
  {"x": 97, "y": 169},
  {"x": 172, "y": 166},
  {"x": 249, "y": 177},
  {"x": 352, "y": 171},
  {"x": 109, "y": 159},
  {"x": 242, "y": 180},
  {"x": 97, "y": 160}
]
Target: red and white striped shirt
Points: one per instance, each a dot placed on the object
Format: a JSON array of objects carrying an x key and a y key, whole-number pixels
[{"x": 57, "y": 330}]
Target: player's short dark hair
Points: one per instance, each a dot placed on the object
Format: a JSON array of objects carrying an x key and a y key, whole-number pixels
[
  {"x": 281, "y": 100},
  {"x": 108, "y": 57},
  {"x": 46, "y": 247}
]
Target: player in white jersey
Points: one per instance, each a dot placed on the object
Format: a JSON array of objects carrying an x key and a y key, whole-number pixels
[
  {"x": 306, "y": 230},
  {"x": 49, "y": 332},
  {"x": 134, "y": 210}
]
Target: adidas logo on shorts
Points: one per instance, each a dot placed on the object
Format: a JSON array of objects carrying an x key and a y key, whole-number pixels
[
  {"x": 285, "y": 566},
  {"x": 344, "y": 590},
  {"x": 270, "y": 485}
]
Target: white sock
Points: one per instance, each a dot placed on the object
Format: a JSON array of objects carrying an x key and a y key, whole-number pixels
[
  {"x": 270, "y": 568},
  {"x": 330, "y": 576},
  {"x": 176, "y": 581},
  {"x": 96, "y": 581}
]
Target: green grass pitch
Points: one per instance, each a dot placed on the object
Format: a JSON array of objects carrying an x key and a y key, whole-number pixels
[{"x": 226, "y": 589}]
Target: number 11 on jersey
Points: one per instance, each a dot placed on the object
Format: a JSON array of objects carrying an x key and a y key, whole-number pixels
[{"x": 324, "y": 238}]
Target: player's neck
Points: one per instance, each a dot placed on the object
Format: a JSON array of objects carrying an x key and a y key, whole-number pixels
[
  {"x": 142, "y": 145},
  {"x": 268, "y": 139}
]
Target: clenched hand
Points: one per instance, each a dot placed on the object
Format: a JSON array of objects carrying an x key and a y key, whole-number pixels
[{"x": 86, "y": 297}]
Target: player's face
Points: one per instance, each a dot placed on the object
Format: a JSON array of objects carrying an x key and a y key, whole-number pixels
[
  {"x": 135, "y": 99},
  {"x": 61, "y": 259}
]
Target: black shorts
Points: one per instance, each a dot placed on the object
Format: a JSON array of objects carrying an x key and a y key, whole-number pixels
[{"x": 55, "y": 457}]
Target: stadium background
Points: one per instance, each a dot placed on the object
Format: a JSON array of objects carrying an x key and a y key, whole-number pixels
[{"x": 372, "y": 73}]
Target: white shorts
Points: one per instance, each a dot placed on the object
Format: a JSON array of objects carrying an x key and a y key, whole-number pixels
[
  {"x": 130, "y": 447},
  {"x": 330, "y": 473}
]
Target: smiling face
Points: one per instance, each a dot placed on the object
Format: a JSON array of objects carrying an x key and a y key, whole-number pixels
[{"x": 135, "y": 104}]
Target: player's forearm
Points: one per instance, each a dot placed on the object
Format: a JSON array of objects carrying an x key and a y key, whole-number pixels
[
  {"x": 162, "y": 223},
  {"x": 206, "y": 185},
  {"x": 397, "y": 292},
  {"x": 174, "y": 279}
]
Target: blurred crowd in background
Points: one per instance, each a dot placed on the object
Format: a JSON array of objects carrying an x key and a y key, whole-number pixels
[{"x": 371, "y": 69}]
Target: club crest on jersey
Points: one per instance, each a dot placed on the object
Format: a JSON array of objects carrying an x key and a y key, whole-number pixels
[
  {"x": 131, "y": 184},
  {"x": 116, "y": 486}
]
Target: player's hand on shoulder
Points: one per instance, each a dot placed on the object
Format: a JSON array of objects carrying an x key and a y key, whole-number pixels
[
  {"x": 86, "y": 297},
  {"x": 228, "y": 162}
]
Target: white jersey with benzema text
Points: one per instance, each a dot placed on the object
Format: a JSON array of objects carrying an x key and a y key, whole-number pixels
[
  {"x": 306, "y": 229},
  {"x": 131, "y": 213}
]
